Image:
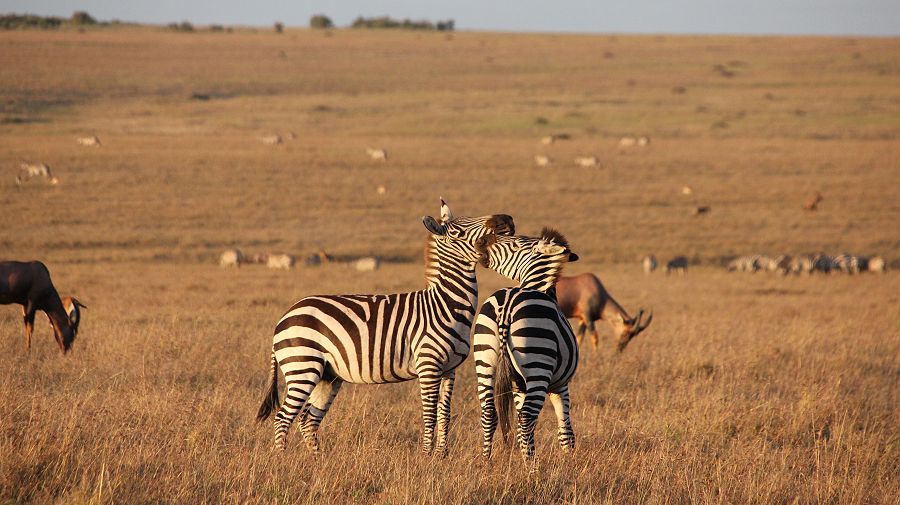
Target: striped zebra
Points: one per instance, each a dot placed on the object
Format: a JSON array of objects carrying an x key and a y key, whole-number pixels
[
  {"x": 323, "y": 341},
  {"x": 524, "y": 346}
]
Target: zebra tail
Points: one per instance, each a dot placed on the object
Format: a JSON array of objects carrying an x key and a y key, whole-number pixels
[
  {"x": 503, "y": 394},
  {"x": 271, "y": 400}
]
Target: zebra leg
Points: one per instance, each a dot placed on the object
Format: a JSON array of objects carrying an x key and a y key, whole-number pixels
[
  {"x": 528, "y": 407},
  {"x": 429, "y": 390},
  {"x": 315, "y": 410},
  {"x": 443, "y": 421},
  {"x": 299, "y": 385},
  {"x": 488, "y": 414},
  {"x": 565, "y": 433}
]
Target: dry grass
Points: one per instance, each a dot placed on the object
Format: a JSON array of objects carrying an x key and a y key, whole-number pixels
[{"x": 745, "y": 389}]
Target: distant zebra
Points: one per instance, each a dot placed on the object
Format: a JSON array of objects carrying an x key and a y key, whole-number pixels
[
  {"x": 850, "y": 264},
  {"x": 744, "y": 264},
  {"x": 803, "y": 263},
  {"x": 28, "y": 171},
  {"x": 323, "y": 341},
  {"x": 823, "y": 263},
  {"x": 649, "y": 263},
  {"x": 524, "y": 346},
  {"x": 677, "y": 264},
  {"x": 377, "y": 154},
  {"x": 92, "y": 141}
]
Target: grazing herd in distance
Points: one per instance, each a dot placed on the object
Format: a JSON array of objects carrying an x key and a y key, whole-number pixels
[{"x": 281, "y": 261}]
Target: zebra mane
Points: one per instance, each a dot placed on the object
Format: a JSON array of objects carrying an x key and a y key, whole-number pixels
[{"x": 554, "y": 236}]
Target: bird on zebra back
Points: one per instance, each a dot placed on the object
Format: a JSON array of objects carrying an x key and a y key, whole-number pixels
[
  {"x": 323, "y": 341},
  {"x": 525, "y": 349}
]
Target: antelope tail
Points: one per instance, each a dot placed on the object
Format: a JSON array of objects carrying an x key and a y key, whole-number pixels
[{"x": 271, "y": 400}]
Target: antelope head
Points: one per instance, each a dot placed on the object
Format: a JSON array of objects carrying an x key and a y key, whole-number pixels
[{"x": 632, "y": 328}]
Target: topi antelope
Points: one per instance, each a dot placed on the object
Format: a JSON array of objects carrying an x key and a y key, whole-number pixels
[
  {"x": 677, "y": 264},
  {"x": 812, "y": 203},
  {"x": 28, "y": 171},
  {"x": 586, "y": 161},
  {"x": 649, "y": 263},
  {"x": 584, "y": 297},
  {"x": 377, "y": 154},
  {"x": 28, "y": 284},
  {"x": 92, "y": 141}
]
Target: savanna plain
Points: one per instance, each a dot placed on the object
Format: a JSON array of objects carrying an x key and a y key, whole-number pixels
[{"x": 746, "y": 388}]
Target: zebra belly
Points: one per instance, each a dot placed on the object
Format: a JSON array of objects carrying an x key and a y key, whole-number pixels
[{"x": 354, "y": 335}]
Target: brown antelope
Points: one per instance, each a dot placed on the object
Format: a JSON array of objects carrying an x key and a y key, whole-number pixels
[
  {"x": 812, "y": 203},
  {"x": 28, "y": 284},
  {"x": 677, "y": 264},
  {"x": 584, "y": 297}
]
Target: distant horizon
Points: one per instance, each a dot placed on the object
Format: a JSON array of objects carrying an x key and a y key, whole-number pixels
[{"x": 838, "y": 18}]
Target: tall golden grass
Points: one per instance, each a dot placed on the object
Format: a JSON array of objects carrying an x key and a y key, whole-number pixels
[{"x": 746, "y": 388}]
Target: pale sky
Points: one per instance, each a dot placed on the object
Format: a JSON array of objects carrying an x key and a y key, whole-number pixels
[{"x": 789, "y": 17}]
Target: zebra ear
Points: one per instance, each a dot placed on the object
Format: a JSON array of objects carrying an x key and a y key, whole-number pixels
[
  {"x": 433, "y": 226},
  {"x": 549, "y": 248},
  {"x": 446, "y": 213}
]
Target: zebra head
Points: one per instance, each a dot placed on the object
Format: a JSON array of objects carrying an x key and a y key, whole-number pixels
[
  {"x": 456, "y": 237},
  {"x": 534, "y": 262}
]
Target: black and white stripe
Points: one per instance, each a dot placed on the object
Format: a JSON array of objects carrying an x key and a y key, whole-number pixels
[
  {"x": 323, "y": 341},
  {"x": 524, "y": 346}
]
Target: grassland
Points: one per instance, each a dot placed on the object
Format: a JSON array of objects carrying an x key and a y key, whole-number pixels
[{"x": 746, "y": 389}]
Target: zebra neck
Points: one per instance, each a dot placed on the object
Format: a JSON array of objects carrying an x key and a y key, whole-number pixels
[
  {"x": 540, "y": 278},
  {"x": 453, "y": 279}
]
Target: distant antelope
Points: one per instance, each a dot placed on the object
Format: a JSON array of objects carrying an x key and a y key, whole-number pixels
[
  {"x": 643, "y": 141},
  {"x": 649, "y": 263},
  {"x": 877, "y": 264},
  {"x": 282, "y": 261},
  {"x": 586, "y": 161},
  {"x": 701, "y": 210},
  {"x": 678, "y": 263},
  {"x": 271, "y": 140},
  {"x": 231, "y": 258},
  {"x": 812, "y": 203},
  {"x": 584, "y": 297},
  {"x": 541, "y": 160},
  {"x": 367, "y": 264},
  {"x": 377, "y": 154},
  {"x": 91, "y": 141},
  {"x": 627, "y": 142},
  {"x": 28, "y": 171}
]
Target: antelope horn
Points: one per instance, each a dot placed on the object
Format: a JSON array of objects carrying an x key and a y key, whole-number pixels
[{"x": 647, "y": 323}]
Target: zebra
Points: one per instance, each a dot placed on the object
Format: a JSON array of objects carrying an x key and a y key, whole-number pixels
[
  {"x": 877, "y": 264},
  {"x": 323, "y": 341},
  {"x": 745, "y": 264},
  {"x": 803, "y": 263},
  {"x": 850, "y": 264},
  {"x": 523, "y": 343}
]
